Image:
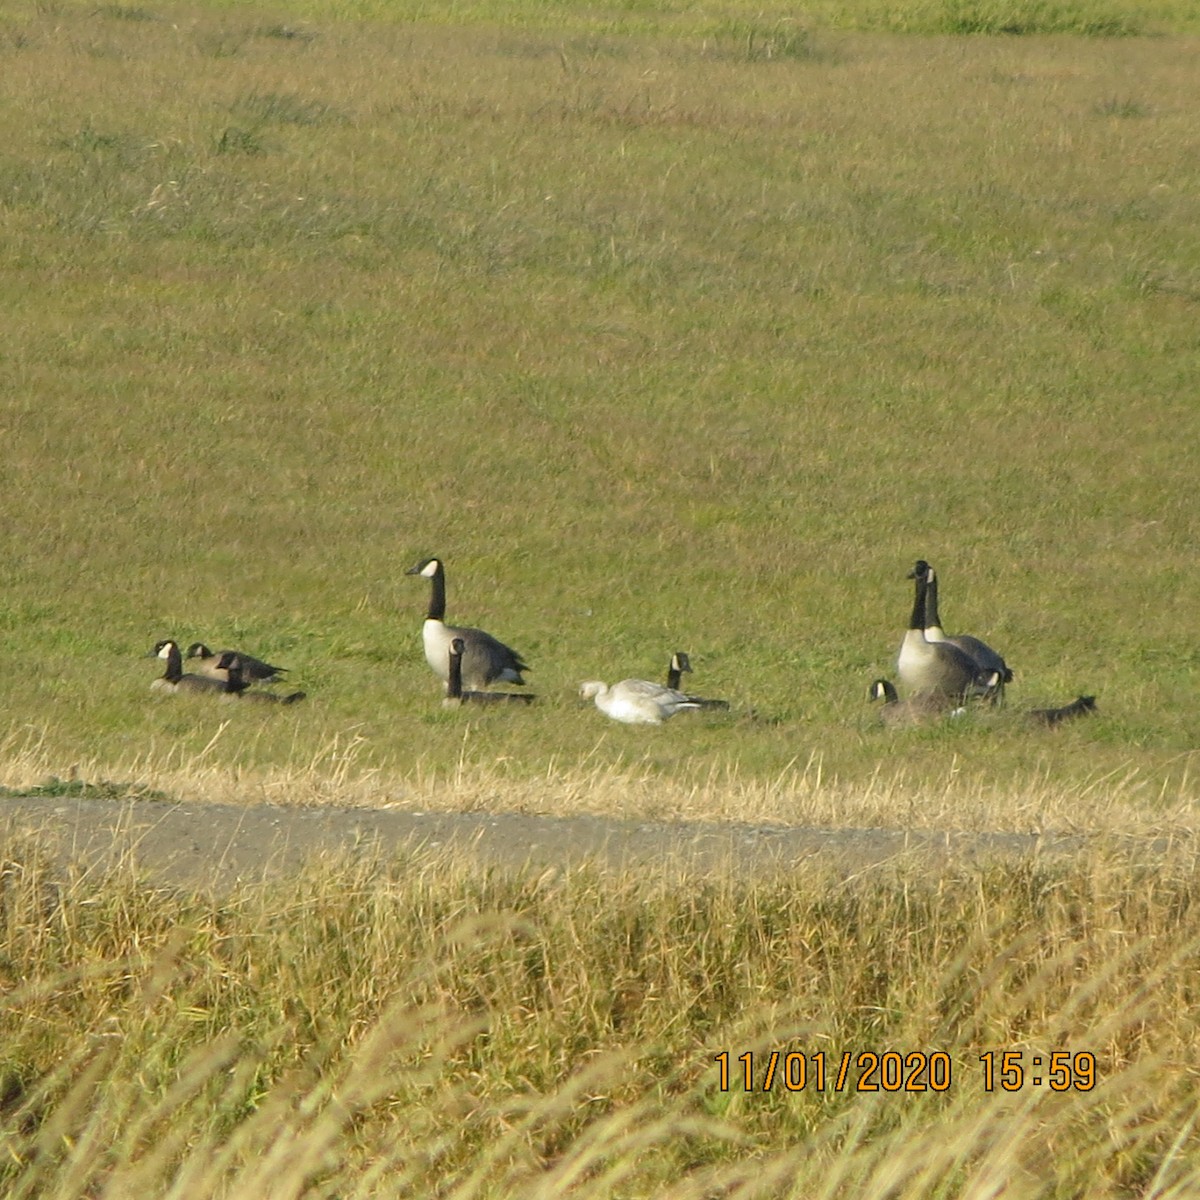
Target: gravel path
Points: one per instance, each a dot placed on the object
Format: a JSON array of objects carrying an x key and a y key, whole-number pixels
[{"x": 213, "y": 846}]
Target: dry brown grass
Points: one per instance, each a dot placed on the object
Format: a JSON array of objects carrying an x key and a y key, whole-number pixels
[
  {"x": 1122, "y": 803},
  {"x": 417, "y": 1029}
]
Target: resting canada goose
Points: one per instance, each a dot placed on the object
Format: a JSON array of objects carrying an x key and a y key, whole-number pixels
[
  {"x": 680, "y": 663},
  {"x": 979, "y": 652},
  {"x": 1055, "y": 716},
  {"x": 253, "y": 669},
  {"x": 926, "y": 666},
  {"x": 173, "y": 679},
  {"x": 455, "y": 695},
  {"x": 233, "y": 667},
  {"x": 484, "y": 659},
  {"x": 915, "y": 710},
  {"x": 636, "y": 701}
]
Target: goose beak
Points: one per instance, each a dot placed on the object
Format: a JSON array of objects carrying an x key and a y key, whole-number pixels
[{"x": 413, "y": 570}]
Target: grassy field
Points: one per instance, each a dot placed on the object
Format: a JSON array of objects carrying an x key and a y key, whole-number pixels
[
  {"x": 666, "y": 329},
  {"x": 658, "y": 343}
]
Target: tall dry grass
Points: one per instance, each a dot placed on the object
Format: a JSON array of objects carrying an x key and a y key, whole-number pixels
[{"x": 415, "y": 1028}]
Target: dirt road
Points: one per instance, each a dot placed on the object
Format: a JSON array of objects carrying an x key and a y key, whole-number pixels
[{"x": 210, "y": 846}]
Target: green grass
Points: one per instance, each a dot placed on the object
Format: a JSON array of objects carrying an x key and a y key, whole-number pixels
[{"x": 658, "y": 343}]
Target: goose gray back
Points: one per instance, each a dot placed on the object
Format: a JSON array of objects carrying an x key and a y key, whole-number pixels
[
  {"x": 456, "y": 697},
  {"x": 237, "y": 686},
  {"x": 925, "y": 666},
  {"x": 636, "y": 701},
  {"x": 484, "y": 660},
  {"x": 979, "y": 652},
  {"x": 253, "y": 669}
]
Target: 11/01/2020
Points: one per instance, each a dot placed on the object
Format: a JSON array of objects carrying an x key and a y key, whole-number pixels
[{"x": 867, "y": 1071}]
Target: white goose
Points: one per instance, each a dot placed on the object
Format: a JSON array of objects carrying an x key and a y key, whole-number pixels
[{"x": 637, "y": 701}]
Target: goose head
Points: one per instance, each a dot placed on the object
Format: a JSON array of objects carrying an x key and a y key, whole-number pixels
[{"x": 428, "y": 567}]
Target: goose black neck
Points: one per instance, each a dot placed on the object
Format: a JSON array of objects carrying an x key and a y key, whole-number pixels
[
  {"x": 931, "y": 607},
  {"x": 674, "y": 678},
  {"x": 236, "y": 681},
  {"x": 917, "y": 620},
  {"x": 437, "y": 596},
  {"x": 174, "y": 671},
  {"x": 454, "y": 677}
]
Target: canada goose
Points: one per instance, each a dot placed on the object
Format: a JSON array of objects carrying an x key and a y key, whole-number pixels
[
  {"x": 236, "y": 686},
  {"x": 485, "y": 660},
  {"x": 680, "y": 663},
  {"x": 914, "y": 710},
  {"x": 173, "y": 679},
  {"x": 455, "y": 696},
  {"x": 1055, "y": 716},
  {"x": 979, "y": 652},
  {"x": 926, "y": 666},
  {"x": 253, "y": 669},
  {"x": 636, "y": 701}
]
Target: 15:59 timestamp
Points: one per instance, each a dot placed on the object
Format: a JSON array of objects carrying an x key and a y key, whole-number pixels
[{"x": 1060, "y": 1070}]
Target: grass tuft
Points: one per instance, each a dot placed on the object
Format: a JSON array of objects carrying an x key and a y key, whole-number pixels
[
  {"x": 125, "y": 12},
  {"x": 284, "y": 109},
  {"x": 234, "y": 139},
  {"x": 754, "y": 41},
  {"x": 1124, "y": 107}
]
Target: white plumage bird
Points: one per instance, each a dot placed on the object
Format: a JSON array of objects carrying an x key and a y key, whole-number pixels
[{"x": 637, "y": 701}]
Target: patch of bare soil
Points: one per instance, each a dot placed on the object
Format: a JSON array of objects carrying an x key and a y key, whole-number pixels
[{"x": 212, "y": 847}]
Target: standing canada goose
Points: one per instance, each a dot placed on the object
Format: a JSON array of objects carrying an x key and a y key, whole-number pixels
[
  {"x": 455, "y": 696},
  {"x": 926, "y": 666},
  {"x": 254, "y": 669},
  {"x": 236, "y": 686},
  {"x": 173, "y": 679},
  {"x": 915, "y": 710},
  {"x": 636, "y": 701},
  {"x": 1082, "y": 707},
  {"x": 680, "y": 663},
  {"x": 484, "y": 660},
  {"x": 979, "y": 652}
]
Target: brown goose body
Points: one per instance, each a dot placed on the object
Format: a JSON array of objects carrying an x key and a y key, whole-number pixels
[
  {"x": 237, "y": 686},
  {"x": 254, "y": 670},
  {"x": 456, "y": 696},
  {"x": 921, "y": 709}
]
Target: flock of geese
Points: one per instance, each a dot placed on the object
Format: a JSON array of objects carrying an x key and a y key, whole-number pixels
[{"x": 941, "y": 674}]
